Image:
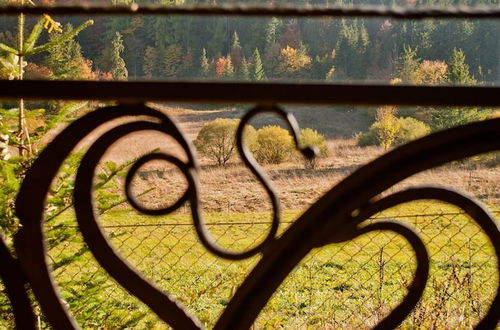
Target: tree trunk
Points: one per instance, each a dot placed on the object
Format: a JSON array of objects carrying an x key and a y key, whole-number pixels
[{"x": 22, "y": 131}]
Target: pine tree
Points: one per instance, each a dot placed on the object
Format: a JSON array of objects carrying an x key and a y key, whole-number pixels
[
  {"x": 330, "y": 75},
  {"x": 458, "y": 70},
  {"x": 272, "y": 60},
  {"x": 235, "y": 53},
  {"x": 65, "y": 59},
  {"x": 352, "y": 48},
  {"x": 407, "y": 64},
  {"x": 187, "y": 64},
  {"x": 13, "y": 62},
  {"x": 245, "y": 71},
  {"x": 150, "y": 62},
  {"x": 258, "y": 72},
  {"x": 118, "y": 67},
  {"x": 235, "y": 42},
  {"x": 204, "y": 65},
  {"x": 272, "y": 30},
  {"x": 171, "y": 62}
]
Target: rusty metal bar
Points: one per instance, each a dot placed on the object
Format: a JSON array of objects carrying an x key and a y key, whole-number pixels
[
  {"x": 256, "y": 10},
  {"x": 264, "y": 93}
]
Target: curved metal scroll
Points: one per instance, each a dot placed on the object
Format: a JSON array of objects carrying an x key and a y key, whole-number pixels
[{"x": 336, "y": 217}]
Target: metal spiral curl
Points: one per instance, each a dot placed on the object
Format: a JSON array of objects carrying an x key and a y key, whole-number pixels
[
  {"x": 29, "y": 241},
  {"x": 332, "y": 219},
  {"x": 335, "y": 217}
]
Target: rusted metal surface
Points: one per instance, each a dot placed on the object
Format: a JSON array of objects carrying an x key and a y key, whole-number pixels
[
  {"x": 337, "y": 217},
  {"x": 263, "y": 93},
  {"x": 262, "y": 10}
]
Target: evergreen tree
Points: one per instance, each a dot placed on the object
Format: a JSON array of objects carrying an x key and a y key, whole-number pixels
[
  {"x": 352, "y": 49},
  {"x": 330, "y": 75},
  {"x": 150, "y": 62},
  {"x": 217, "y": 37},
  {"x": 229, "y": 68},
  {"x": 245, "y": 71},
  {"x": 272, "y": 30},
  {"x": 235, "y": 42},
  {"x": 118, "y": 67},
  {"x": 204, "y": 65},
  {"x": 187, "y": 64},
  {"x": 272, "y": 60},
  {"x": 172, "y": 60},
  {"x": 135, "y": 45},
  {"x": 422, "y": 36},
  {"x": 65, "y": 59},
  {"x": 12, "y": 62},
  {"x": 458, "y": 70},
  {"x": 236, "y": 56},
  {"x": 163, "y": 31},
  {"x": 258, "y": 72},
  {"x": 407, "y": 64}
]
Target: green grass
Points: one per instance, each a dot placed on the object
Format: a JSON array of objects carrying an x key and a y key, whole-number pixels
[{"x": 351, "y": 285}]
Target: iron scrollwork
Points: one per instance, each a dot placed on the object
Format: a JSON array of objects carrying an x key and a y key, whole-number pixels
[{"x": 336, "y": 217}]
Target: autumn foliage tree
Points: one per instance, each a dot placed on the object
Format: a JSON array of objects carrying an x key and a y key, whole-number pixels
[
  {"x": 430, "y": 73},
  {"x": 224, "y": 67},
  {"x": 386, "y": 125},
  {"x": 294, "y": 60}
]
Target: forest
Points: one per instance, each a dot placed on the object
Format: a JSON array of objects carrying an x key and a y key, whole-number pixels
[{"x": 234, "y": 48}]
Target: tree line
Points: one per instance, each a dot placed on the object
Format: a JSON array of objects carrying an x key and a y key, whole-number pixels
[{"x": 168, "y": 47}]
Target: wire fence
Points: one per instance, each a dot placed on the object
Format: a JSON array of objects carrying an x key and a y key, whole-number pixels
[{"x": 347, "y": 285}]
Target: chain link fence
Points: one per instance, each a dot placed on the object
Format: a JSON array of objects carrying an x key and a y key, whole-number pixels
[{"x": 348, "y": 285}]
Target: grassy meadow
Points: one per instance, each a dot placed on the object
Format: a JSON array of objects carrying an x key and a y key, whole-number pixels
[{"x": 349, "y": 285}]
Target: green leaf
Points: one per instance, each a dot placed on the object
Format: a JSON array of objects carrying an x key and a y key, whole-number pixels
[
  {"x": 63, "y": 114},
  {"x": 65, "y": 37},
  {"x": 8, "y": 49},
  {"x": 111, "y": 166},
  {"x": 34, "y": 35}
]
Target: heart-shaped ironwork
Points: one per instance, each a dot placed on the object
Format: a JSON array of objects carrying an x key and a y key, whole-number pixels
[{"x": 338, "y": 216}]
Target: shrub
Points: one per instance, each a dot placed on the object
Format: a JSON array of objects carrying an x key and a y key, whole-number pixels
[
  {"x": 275, "y": 144},
  {"x": 217, "y": 139},
  {"x": 451, "y": 117},
  {"x": 410, "y": 129},
  {"x": 311, "y": 137}
]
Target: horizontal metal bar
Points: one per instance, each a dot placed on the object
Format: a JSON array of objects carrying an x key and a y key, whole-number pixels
[
  {"x": 252, "y": 10},
  {"x": 264, "y": 93}
]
